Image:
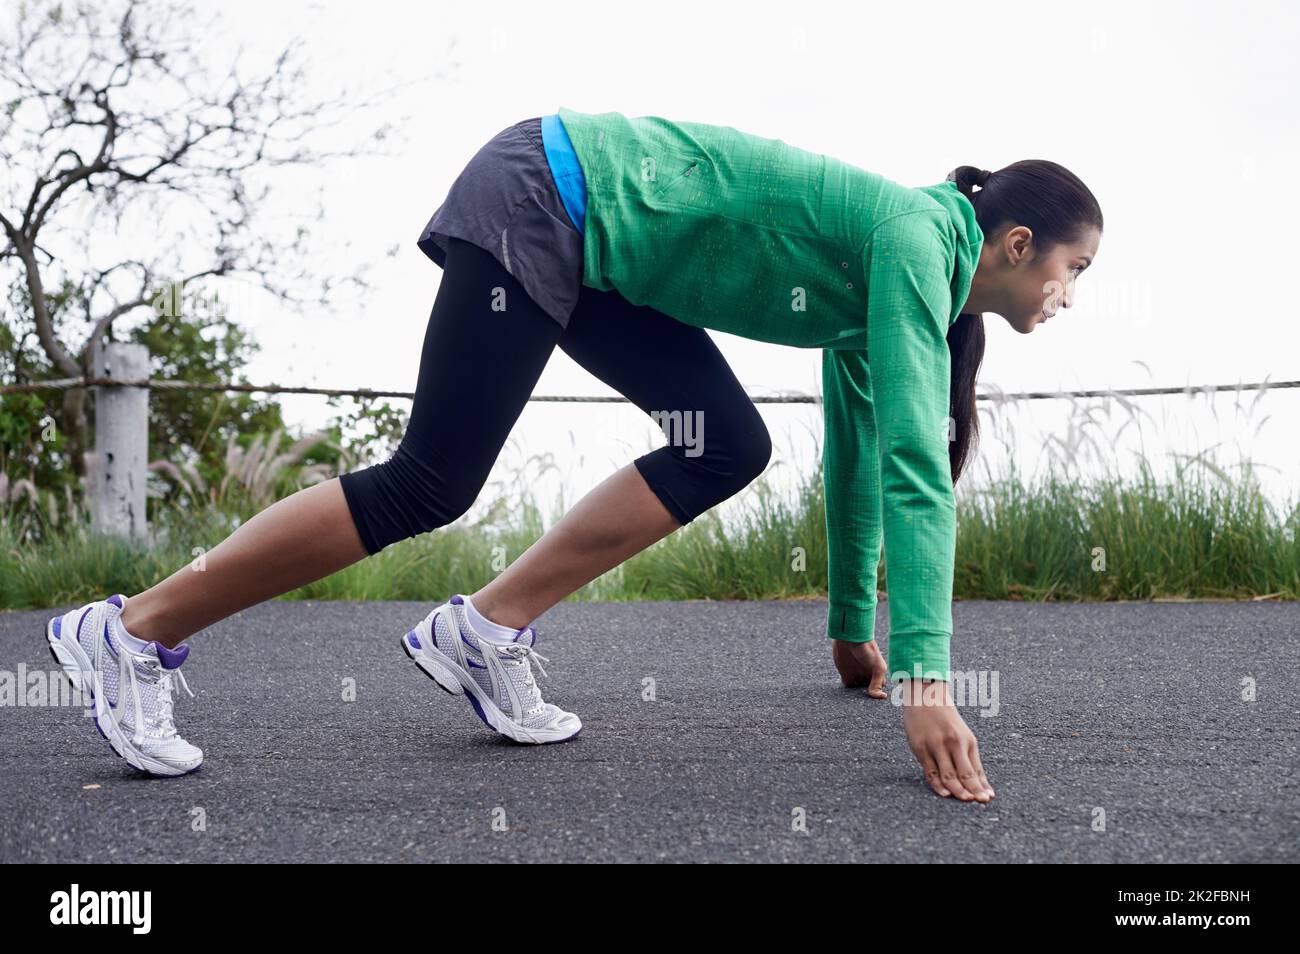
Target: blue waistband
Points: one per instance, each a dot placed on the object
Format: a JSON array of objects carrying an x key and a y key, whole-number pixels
[{"x": 565, "y": 169}]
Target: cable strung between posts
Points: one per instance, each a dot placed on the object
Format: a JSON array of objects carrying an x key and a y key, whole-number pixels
[{"x": 66, "y": 384}]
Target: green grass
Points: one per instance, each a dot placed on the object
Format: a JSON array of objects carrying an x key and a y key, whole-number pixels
[
  {"x": 1198, "y": 535},
  {"x": 1195, "y": 536}
]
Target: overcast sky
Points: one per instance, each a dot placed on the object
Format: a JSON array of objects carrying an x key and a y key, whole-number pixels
[{"x": 1180, "y": 117}]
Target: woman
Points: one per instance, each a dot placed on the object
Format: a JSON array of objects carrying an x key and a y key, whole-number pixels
[{"x": 621, "y": 240}]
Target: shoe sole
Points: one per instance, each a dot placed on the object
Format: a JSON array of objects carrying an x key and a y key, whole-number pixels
[
  {"x": 76, "y": 665},
  {"x": 451, "y": 679}
]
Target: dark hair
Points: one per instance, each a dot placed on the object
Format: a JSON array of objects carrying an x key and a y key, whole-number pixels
[{"x": 1052, "y": 202}]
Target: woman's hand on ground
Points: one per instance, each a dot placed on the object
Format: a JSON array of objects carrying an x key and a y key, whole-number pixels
[
  {"x": 860, "y": 664},
  {"x": 942, "y": 742}
]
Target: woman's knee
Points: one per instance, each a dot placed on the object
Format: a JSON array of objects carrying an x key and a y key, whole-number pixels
[
  {"x": 757, "y": 452},
  {"x": 407, "y": 495},
  {"x": 438, "y": 495},
  {"x": 747, "y": 449},
  {"x": 734, "y": 455}
]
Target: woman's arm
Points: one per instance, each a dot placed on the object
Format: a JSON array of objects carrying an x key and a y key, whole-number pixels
[
  {"x": 901, "y": 398},
  {"x": 909, "y": 266},
  {"x": 851, "y": 484}
]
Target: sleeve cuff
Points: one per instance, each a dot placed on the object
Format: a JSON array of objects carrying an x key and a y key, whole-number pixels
[
  {"x": 919, "y": 656},
  {"x": 853, "y": 624}
]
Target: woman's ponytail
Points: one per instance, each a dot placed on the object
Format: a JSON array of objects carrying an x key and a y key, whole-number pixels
[
  {"x": 966, "y": 349},
  {"x": 967, "y": 177}
]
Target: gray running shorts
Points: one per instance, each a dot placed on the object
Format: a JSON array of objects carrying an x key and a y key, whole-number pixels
[{"x": 505, "y": 201}]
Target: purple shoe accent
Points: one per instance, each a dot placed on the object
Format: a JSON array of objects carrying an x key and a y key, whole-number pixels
[
  {"x": 413, "y": 639},
  {"x": 473, "y": 664},
  {"x": 478, "y": 709},
  {"x": 172, "y": 658},
  {"x": 117, "y": 600},
  {"x": 80, "y": 623},
  {"x": 458, "y": 600},
  {"x": 57, "y": 625},
  {"x": 526, "y": 636},
  {"x": 108, "y": 638}
]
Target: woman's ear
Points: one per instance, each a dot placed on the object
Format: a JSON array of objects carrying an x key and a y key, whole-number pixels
[{"x": 1019, "y": 242}]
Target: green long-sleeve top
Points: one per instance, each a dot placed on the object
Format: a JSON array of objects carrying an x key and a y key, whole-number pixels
[{"x": 734, "y": 232}]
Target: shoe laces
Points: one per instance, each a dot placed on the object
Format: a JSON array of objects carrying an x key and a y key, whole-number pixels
[
  {"x": 526, "y": 656},
  {"x": 161, "y": 725}
]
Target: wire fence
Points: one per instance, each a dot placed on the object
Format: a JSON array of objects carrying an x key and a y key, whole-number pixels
[
  {"x": 66, "y": 384},
  {"x": 121, "y": 462}
]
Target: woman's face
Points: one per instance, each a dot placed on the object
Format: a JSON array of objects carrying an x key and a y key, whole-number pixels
[{"x": 1036, "y": 285}]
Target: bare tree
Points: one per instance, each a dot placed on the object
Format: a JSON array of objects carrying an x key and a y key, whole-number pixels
[{"x": 133, "y": 164}]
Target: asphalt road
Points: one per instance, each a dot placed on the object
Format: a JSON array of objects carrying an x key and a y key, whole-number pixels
[{"x": 1117, "y": 733}]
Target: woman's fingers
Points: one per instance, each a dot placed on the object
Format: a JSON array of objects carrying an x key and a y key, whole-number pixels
[
  {"x": 967, "y": 777},
  {"x": 932, "y": 773},
  {"x": 879, "y": 671},
  {"x": 974, "y": 751},
  {"x": 860, "y": 664},
  {"x": 943, "y": 744},
  {"x": 948, "y": 771}
]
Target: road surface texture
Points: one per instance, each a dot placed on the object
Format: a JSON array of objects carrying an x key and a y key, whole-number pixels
[{"x": 1131, "y": 732}]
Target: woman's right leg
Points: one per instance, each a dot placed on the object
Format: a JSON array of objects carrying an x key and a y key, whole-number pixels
[
  {"x": 675, "y": 373},
  {"x": 484, "y": 349},
  {"x": 295, "y": 541}
]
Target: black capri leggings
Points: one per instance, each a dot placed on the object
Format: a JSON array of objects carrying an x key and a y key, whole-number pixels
[{"x": 485, "y": 347}]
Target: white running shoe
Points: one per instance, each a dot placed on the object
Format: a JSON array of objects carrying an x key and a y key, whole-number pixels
[
  {"x": 498, "y": 680},
  {"x": 131, "y": 690}
]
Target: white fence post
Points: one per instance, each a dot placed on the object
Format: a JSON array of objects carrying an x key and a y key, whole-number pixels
[{"x": 121, "y": 441}]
